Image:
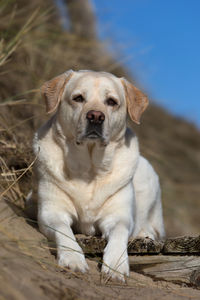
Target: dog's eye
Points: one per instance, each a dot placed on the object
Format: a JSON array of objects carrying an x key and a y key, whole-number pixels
[
  {"x": 79, "y": 98},
  {"x": 111, "y": 102}
]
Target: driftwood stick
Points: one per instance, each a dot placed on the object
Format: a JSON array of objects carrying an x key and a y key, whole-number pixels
[{"x": 180, "y": 245}]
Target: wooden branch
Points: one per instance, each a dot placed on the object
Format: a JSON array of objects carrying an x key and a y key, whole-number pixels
[{"x": 180, "y": 245}]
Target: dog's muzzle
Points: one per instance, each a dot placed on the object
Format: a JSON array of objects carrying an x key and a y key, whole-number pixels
[{"x": 95, "y": 121}]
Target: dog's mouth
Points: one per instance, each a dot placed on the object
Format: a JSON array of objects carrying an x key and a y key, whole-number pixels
[
  {"x": 93, "y": 135},
  {"x": 94, "y": 131}
]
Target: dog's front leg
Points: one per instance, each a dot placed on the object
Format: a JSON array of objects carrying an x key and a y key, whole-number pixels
[
  {"x": 55, "y": 223},
  {"x": 115, "y": 259},
  {"x": 69, "y": 253},
  {"x": 116, "y": 228}
]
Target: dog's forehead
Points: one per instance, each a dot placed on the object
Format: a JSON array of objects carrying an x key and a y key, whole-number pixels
[{"x": 95, "y": 80}]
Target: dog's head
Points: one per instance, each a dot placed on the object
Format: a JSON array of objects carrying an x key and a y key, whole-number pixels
[{"x": 92, "y": 106}]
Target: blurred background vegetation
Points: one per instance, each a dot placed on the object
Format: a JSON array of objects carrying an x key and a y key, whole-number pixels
[{"x": 35, "y": 47}]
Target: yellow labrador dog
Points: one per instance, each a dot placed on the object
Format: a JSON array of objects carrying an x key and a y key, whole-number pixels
[{"x": 90, "y": 177}]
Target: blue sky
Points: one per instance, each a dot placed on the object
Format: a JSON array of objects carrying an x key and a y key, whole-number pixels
[{"x": 159, "y": 41}]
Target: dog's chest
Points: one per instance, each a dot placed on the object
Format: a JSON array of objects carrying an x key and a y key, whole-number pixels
[
  {"x": 83, "y": 194},
  {"x": 84, "y": 201}
]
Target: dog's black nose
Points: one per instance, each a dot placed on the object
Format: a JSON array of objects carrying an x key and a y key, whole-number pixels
[{"x": 96, "y": 117}]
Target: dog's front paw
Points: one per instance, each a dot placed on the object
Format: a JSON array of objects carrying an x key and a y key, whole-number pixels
[
  {"x": 115, "y": 267},
  {"x": 72, "y": 260}
]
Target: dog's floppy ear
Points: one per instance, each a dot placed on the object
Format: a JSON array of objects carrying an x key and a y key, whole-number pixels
[
  {"x": 137, "y": 102},
  {"x": 52, "y": 90}
]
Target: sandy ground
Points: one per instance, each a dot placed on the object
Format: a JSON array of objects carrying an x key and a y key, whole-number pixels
[{"x": 28, "y": 270}]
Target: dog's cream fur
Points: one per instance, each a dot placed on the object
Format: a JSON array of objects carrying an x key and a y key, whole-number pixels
[{"x": 94, "y": 186}]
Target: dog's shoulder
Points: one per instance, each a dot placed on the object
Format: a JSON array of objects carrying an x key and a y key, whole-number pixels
[{"x": 145, "y": 175}]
